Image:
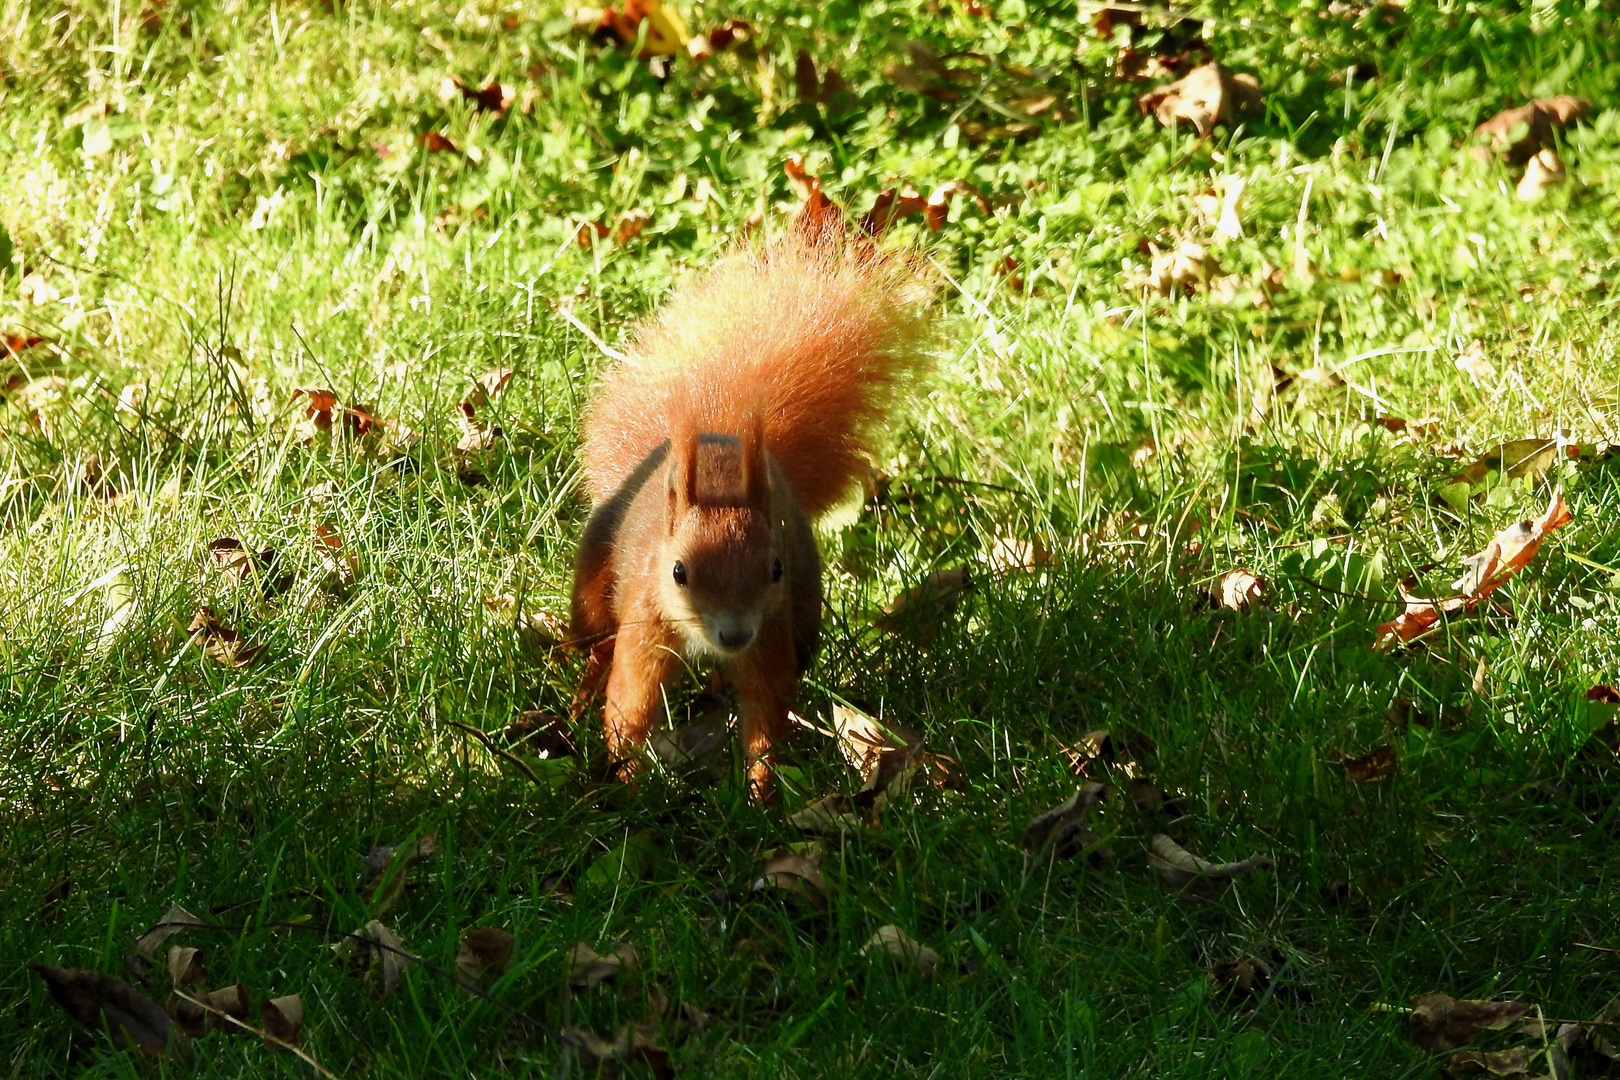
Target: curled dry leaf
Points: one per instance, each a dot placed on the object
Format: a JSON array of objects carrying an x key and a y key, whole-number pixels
[
  {"x": 1249, "y": 975},
  {"x": 1060, "y": 832},
  {"x": 487, "y": 387},
  {"x": 1375, "y": 766},
  {"x": 894, "y": 942},
  {"x": 666, "y": 31},
  {"x": 336, "y": 556},
  {"x": 796, "y": 870},
  {"x": 1206, "y": 96},
  {"x": 827, "y": 815},
  {"x": 495, "y": 98},
  {"x": 1186, "y": 268},
  {"x": 1516, "y": 459},
  {"x": 588, "y": 969},
  {"x": 1545, "y": 170},
  {"x": 383, "y": 882},
  {"x": 540, "y": 733},
  {"x": 1440, "y": 1022},
  {"x": 1519, "y": 134},
  {"x": 381, "y": 944},
  {"x": 174, "y": 920},
  {"x": 636, "y": 1041},
  {"x": 485, "y": 953},
  {"x": 1195, "y": 877},
  {"x": 1124, "y": 752},
  {"x": 219, "y": 642},
  {"x": 700, "y": 747},
  {"x": 233, "y": 1002},
  {"x": 282, "y": 1017},
  {"x": 186, "y": 967},
  {"x": 1238, "y": 590},
  {"x": 1483, "y": 573},
  {"x": 96, "y": 1000}
]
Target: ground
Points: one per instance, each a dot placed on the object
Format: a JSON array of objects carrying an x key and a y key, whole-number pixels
[{"x": 1276, "y": 346}]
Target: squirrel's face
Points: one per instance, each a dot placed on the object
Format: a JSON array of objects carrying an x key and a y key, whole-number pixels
[{"x": 721, "y": 575}]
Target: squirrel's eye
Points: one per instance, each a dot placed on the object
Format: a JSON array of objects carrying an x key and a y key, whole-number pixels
[
  {"x": 680, "y": 572},
  {"x": 776, "y": 570}
]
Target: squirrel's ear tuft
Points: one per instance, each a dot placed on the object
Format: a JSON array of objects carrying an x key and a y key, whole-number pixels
[
  {"x": 683, "y": 469},
  {"x": 756, "y": 478}
]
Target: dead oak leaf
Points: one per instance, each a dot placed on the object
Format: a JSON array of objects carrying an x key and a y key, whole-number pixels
[
  {"x": 95, "y": 1000},
  {"x": 1439, "y": 1022},
  {"x": 1521, "y": 133},
  {"x": 219, "y": 642},
  {"x": 1206, "y": 96}
]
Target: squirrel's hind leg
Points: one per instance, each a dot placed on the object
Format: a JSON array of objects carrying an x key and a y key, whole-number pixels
[{"x": 764, "y": 678}]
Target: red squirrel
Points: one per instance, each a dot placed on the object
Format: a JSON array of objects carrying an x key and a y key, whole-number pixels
[{"x": 741, "y": 412}]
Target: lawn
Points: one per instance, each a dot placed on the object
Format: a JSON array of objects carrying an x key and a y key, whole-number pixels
[{"x": 331, "y": 282}]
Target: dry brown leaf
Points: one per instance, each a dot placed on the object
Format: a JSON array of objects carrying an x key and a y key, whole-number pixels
[
  {"x": 918, "y": 612},
  {"x": 383, "y": 945},
  {"x": 1511, "y": 1062},
  {"x": 1473, "y": 362},
  {"x": 1060, "y": 832},
  {"x": 232, "y": 1001},
  {"x": 282, "y": 1017},
  {"x": 436, "y": 142},
  {"x": 1206, "y": 96},
  {"x": 1375, "y": 766},
  {"x": 1249, "y": 975},
  {"x": 96, "y": 1000},
  {"x": 1439, "y": 1022},
  {"x": 174, "y": 920},
  {"x": 719, "y": 38},
  {"x": 630, "y": 224},
  {"x": 1519, "y": 134},
  {"x": 337, "y": 557},
  {"x": 894, "y": 942},
  {"x": 588, "y": 969},
  {"x": 827, "y": 815},
  {"x": 1238, "y": 590},
  {"x": 487, "y": 387},
  {"x": 1186, "y": 268},
  {"x": 383, "y": 882},
  {"x": 1516, "y": 459},
  {"x": 495, "y": 98},
  {"x": 540, "y": 733},
  {"x": 1545, "y": 170},
  {"x": 666, "y": 32},
  {"x": 186, "y": 967},
  {"x": 796, "y": 871},
  {"x": 1193, "y": 876},
  {"x": 484, "y": 954},
  {"x": 701, "y": 747},
  {"x": 1125, "y": 752},
  {"x": 219, "y": 642},
  {"x": 1483, "y": 573}
]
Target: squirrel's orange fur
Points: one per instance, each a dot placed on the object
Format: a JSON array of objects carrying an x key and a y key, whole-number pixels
[{"x": 740, "y": 414}]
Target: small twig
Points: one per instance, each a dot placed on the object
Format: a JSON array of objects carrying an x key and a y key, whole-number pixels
[
  {"x": 500, "y": 752},
  {"x": 265, "y": 1035}
]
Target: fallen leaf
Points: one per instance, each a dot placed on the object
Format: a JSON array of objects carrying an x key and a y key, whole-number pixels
[
  {"x": 588, "y": 969},
  {"x": 382, "y": 944},
  {"x": 1186, "y": 268},
  {"x": 497, "y": 97},
  {"x": 540, "y": 733},
  {"x": 1238, "y": 590},
  {"x": 96, "y": 1000},
  {"x": 174, "y": 920},
  {"x": 1519, "y": 134},
  {"x": 1249, "y": 975},
  {"x": 1125, "y": 751},
  {"x": 666, "y": 32},
  {"x": 1483, "y": 573},
  {"x": 918, "y": 612},
  {"x": 1206, "y": 96},
  {"x": 1375, "y": 766},
  {"x": 1545, "y": 170},
  {"x": 338, "y": 558},
  {"x": 1518, "y": 459},
  {"x": 485, "y": 953},
  {"x": 797, "y": 872},
  {"x": 894, "y": 942},
  {"x": 186, "y": 967},
  {"x": 435, "y": 142},
  {"x": 1439, "y": 1022},
  {"x": 630, "y": 224},
  {"x": 1195, "y": 877},
  {"x": 486, "y": 387},
  {"x": 383, "y": 881},
  {"x": 719, "y": 38},
  {"x": 828, "y": 815},
  {"x": 282, "y": 1017},
  {"x": 1473, "y": 362},
  {"x": 1511, "y": 1062},
  {"x": 699, "y": 747},
  {"x": 232, "y": 1001},
  {"x": 1060, "y": 832}
]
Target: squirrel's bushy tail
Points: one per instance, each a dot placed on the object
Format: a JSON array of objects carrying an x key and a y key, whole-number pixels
[{"x": 809, "y": 336}]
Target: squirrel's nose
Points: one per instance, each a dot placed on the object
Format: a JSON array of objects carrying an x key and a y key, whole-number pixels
[{"x": 736, "y": 637}]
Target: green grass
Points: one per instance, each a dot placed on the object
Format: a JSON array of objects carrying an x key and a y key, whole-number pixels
[{"x": 229, "y": 231}]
